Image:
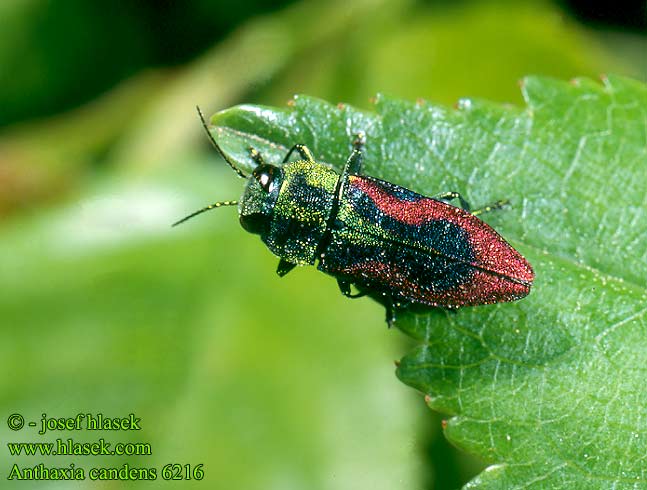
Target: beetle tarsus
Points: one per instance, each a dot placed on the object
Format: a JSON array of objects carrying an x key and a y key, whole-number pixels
[
  {"x": 284, "y": 267},
  {"x": 491, "y": 207},
  {"x": 303, "y": 151},
  {"x": 256, "y": 156},
  {"x": 360, "y": 141},
  {"x": 344, "y": 287},
  {"x": 448, "y": 196},
  {"x": 390, "y": 314}
]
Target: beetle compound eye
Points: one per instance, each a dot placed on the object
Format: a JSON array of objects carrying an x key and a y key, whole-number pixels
[{"x": 266, "y": 176}]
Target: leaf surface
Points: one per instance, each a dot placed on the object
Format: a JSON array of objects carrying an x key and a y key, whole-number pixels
[{"x": 550, "y": 389}]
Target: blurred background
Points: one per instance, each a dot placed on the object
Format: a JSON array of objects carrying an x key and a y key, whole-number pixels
[{"x": 270, "y": 383}]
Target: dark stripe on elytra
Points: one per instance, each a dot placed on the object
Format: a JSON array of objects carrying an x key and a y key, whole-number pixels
[
  {"x": 444, "y": 237},
  {"x": 420, "y": 271}
]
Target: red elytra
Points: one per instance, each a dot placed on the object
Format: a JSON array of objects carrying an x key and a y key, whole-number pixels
[{"x": 498, "y": 272}]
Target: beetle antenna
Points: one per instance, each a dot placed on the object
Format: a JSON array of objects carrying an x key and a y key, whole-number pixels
[
  {"x": 213, "y": 142},
  {"x": 207, "y": 208}
]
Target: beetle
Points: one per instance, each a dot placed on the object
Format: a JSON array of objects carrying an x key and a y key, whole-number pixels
[{"x": 392, "y": 244}]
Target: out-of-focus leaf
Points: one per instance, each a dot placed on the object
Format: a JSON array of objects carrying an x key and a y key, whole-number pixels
[
  {"x": 150, "y": 120},
  {"x": 341, "y": 51},
  {"x": 246, "y": 61},
  {"x": 41, "y": 160},
  {"x": 445, "y": 51},
  {"x": 107, "y": 309},
  {"x": 55, "y": 56},
  {"x": 549, "y": 388}
]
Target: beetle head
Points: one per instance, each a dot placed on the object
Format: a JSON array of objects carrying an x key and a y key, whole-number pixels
[{"x": 261, "y": 192}]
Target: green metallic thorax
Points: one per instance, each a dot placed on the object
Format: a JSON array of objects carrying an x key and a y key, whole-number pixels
[{"x": 300, "y": 215}]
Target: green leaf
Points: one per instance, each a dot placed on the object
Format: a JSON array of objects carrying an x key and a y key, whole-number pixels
[{"x": 549, "y": 389}]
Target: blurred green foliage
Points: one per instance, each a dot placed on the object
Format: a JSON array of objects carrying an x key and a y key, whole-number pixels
[
  {"x": 105, "y": 308},
  {"x": 58, "y": 54}
]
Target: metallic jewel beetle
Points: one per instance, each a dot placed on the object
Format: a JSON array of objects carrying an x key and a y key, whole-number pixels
[{"x": 390, "y": 243}]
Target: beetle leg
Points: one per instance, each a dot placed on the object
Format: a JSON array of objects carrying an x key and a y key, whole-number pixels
[
  {"x": 390, "y": 313},
  {"x": 360, "y": 141},
  {"x": 256, "y": 156},
  {"x": 491, "y": 207},
  {"x": 344, "y": 287},
  {"x": 448, "y": 196},
  {"x": 284, "y": 267},
  {"x": 389, "y": 304},
  {"x": 303, "y": 151},
  {"x": 354, "y": 163},
  {"x": 393, "y": 307}
]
